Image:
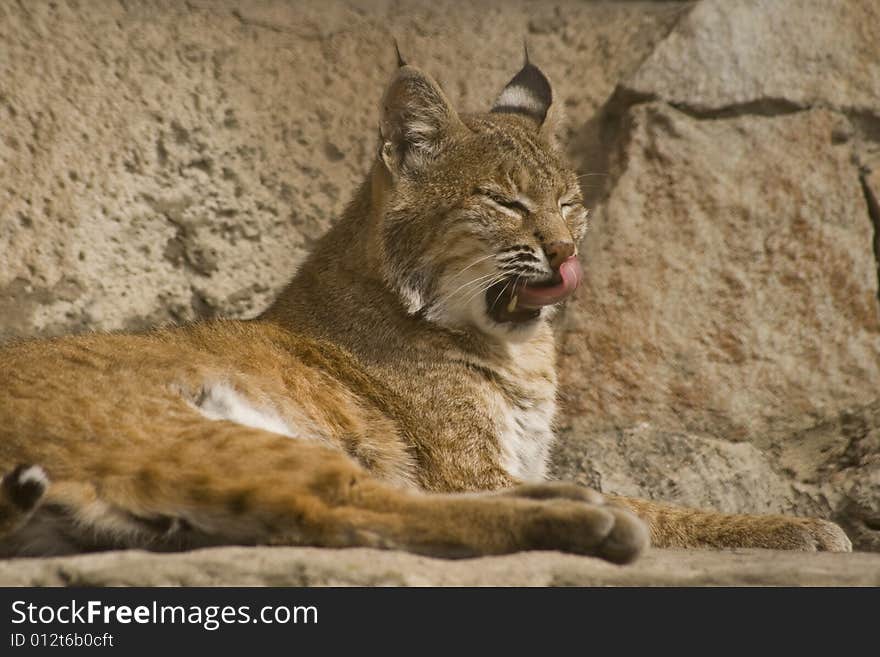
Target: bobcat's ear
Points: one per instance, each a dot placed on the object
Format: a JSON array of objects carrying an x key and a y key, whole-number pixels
[
  {"x": 529, "y": 93},
  {"x": 416, "y": 120}
]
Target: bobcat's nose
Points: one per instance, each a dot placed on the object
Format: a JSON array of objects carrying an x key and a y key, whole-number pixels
[{"x": 558, "y": 252}]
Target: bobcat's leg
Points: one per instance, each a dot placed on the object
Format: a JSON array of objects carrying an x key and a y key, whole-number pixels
[
  {"x": 223, "y": 483},
  {"x": 674, "y": 526}
]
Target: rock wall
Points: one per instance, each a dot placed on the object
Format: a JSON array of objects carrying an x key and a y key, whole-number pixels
[{"x": 167, "y": 161}]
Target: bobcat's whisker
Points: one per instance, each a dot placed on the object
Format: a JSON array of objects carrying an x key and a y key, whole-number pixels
[
  {"x": 475, "y": 262},
  {"x": 501, "y": 293},
  {"x": 477, "y": 280},
  {"x": 485, "y": 287}
]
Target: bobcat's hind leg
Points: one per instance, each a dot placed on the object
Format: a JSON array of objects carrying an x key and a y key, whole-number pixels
[{"x": 674, "y": 526}]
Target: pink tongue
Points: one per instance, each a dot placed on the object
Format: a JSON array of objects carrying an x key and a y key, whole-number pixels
[{"x": 536, "y": 296}]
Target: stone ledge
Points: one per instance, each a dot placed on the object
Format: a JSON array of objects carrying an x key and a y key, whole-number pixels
[{"x": 239, "y": 566}]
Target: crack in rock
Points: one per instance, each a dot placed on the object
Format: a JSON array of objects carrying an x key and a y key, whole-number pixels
[{"x": 874, "y": 215}]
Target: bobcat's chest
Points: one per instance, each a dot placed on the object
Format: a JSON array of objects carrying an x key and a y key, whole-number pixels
[{"x": 525, "y": 434}]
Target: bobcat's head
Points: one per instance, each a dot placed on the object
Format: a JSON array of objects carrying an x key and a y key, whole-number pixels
[{"x": 479, "y": 217}]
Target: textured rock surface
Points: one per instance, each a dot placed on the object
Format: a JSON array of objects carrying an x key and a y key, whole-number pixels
[
  {"x": 362, "y": 567},
  {"x": 771, "y": 54},
  {"x": 687, "y": 469},
  {"x": 163, "y": 161},
  {"x": 732, "y": 290}
]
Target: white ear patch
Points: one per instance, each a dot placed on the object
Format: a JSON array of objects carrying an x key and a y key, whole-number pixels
[
  {"x": 520, "y": 98},
  {"x": 220, "y": 401}
]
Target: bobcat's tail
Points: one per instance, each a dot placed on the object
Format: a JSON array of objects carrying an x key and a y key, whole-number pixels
[{"x": 21, "y": 491}]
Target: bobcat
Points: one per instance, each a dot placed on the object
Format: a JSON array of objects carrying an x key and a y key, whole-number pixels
[{"x": 399, "y": 393}]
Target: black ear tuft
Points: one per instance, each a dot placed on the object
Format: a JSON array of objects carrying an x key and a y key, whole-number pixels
[
  {"x": 401, "y": 62},
  {"x": 528, "y": 93}
]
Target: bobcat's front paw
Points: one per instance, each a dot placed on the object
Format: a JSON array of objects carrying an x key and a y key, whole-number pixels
[
  {"x": 591, "y": 526},
  {"x": 594, "y": 530}
]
